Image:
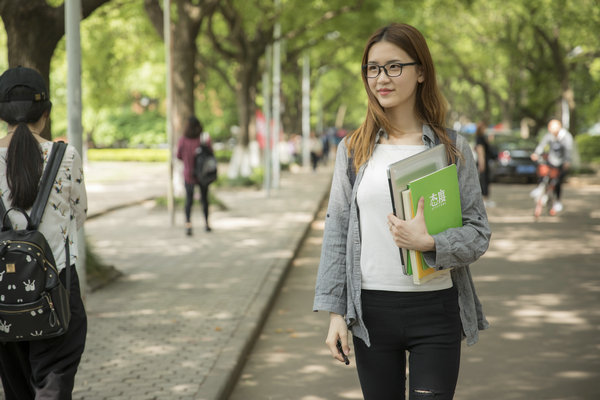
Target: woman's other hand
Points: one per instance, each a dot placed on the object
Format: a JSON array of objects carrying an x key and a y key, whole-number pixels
[{"x": 337, "y": 330}]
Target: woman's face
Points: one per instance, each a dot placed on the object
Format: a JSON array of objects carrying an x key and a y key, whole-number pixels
[{"x": 393, "y": 92}]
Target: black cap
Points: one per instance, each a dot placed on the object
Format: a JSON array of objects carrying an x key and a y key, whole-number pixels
[{"x": 31, "y": 85}]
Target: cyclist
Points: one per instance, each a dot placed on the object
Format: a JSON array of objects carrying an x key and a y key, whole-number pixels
[{"x": 558, "y": 145}]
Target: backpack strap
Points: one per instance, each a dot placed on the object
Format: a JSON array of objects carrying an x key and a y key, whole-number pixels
[
  {"x": 56, "y": 156},
  {"x": 68, "y": 267},
  {"x": 39, "y": 205},
  {"x": 4, "y": 222}
]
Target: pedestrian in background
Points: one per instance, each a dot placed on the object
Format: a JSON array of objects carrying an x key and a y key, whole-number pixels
[
  {"x": 484, "y": 155},
  {"x": 326, "y": 148},
  {"x": 45, "y": 368},
  {"x": 193, "y": 138},
  {"x": 557, "y": 144},
  {"x": 316, "y": 150},
  {"x": 360, "y": 279}
]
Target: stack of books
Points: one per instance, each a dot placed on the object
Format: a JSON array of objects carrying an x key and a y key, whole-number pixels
[{"x": 426, "y": 175}]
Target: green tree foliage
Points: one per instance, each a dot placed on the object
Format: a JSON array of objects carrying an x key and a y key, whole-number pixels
[
  {"x": 33, "y": 30},
  {"x": 120, "y": 49},
  {"x": 241, "y": 32},
  {"x": 511, "y": 60},
  {"x": 496, "y": 60},
  {"x": 335, "y": 53},
  {"x": 122, "y": 70}
]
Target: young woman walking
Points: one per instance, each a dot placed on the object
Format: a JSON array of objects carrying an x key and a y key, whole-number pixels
[
  {"x": 45, "y": 368},
  {"x": 360, "y": 280},
  {"x": 193, "y": 137}
]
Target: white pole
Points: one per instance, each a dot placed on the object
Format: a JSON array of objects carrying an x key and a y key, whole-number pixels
[
  {"x": 267, "y": 114},
  {"x": 320, "y": 124},
  {"x": 74, "y": 126},
  {"x": 276, "y": 98},
  {"x": 167, "y": 36},
  {"x": 566, "y": 115},
  {"x": 306, "y": 111},
  {"x": 320, "y": 127}
]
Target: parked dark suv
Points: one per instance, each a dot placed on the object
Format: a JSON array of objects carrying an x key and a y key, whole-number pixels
[{"x": 513, "y": 161}]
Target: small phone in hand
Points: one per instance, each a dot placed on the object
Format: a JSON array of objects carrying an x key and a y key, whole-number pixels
[{"x": 339, "y": 348}]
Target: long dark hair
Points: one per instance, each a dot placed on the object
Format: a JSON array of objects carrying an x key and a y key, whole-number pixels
[
  {"x": 193, "y": 129},
  {"x": 480, "y": 131},
  {"x": 24, "y": 158}
]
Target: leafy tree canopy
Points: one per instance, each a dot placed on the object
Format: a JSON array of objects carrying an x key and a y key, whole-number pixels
[{"x": 497, "y": 60}]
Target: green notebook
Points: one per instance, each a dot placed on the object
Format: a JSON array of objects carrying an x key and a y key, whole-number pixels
[{"x": 442, "y": 211}]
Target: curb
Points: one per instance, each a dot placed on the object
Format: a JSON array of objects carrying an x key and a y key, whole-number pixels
[
  {"x": 118, "y": 207},
  {"x": 224, "y": 375}
]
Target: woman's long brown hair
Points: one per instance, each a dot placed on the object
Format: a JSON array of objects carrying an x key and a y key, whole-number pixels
[{"x": 430, "y": 105}]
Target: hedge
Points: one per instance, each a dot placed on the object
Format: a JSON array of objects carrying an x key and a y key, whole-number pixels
[
  {"x": 145, "y": 155},
  {"x": 589, "y": 147}
]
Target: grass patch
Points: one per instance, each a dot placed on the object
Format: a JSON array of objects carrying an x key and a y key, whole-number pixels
[
  {"x": 97, "y": 273},
  {"x": 584, "y": 170},
  {"x": 254, "y": 180},
  {"x": 179, "y": 202},
  {"x": 142, "y": 155}
]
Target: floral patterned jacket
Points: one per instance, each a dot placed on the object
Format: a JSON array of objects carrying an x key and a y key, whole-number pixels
[{"x": 66, "y": 208}]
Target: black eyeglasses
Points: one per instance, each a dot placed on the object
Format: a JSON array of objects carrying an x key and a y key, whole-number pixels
[{"x": 392, "y": 69}]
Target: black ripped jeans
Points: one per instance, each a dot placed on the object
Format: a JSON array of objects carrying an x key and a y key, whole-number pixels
[{"x": 424, "y": 324}]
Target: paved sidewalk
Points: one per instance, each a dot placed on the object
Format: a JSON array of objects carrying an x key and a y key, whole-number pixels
[
  {"x": 539, "y": 284},
  {"x": 113, "y": 185},
  {"x": 187, "y": 310}
]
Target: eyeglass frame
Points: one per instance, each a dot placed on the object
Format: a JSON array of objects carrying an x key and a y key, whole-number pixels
[{"x": 402, "y": 65}]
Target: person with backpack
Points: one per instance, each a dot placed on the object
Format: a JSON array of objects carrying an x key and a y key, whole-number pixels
[
  {"x": 199, "y": 168},
  {"x": 40, "y": 368},
  {"x": 360, "y": 280}
]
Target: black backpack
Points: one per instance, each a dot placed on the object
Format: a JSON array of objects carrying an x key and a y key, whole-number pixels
[
  {"x": 34, "y": 304},
  {"x": 205, "y": 165}
]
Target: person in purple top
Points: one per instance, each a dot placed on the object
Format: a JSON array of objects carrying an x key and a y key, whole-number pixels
[{"x": 193, "y": 137}]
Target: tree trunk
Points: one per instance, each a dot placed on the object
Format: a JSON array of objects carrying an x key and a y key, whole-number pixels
[
  {"x": 33, "y": 29},
  {"x": 246, "y": 94},
  {"x": 32, "y": 44},
  {"x": 183, "y": 61},
  {"x": 241, "y": 161},
  {"x": 190, "y": 15}
]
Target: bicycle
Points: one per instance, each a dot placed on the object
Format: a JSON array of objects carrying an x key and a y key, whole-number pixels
[{"x": 544, "y": 193}]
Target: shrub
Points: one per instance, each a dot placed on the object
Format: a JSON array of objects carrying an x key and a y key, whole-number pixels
[
  {"x": 124, "y": 128},
  {"x": 589, "y": 147}
]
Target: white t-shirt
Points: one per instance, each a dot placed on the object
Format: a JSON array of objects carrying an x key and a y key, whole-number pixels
[
  {"x": 380, "y": 262},
  {"x": 66, "y": 208}
]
